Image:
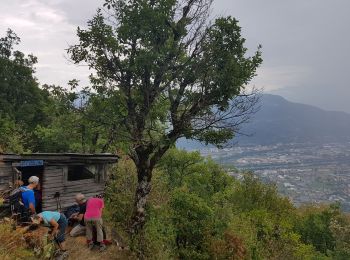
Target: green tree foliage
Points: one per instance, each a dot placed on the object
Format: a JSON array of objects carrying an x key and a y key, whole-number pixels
[
  {"x": 78, "y": 121},
  {"x": 315, "y": 228},
  {"x": 197, "y": 211},
  {"x": 12, "y": 137},
  {"x": 64, "y": 131},
  {"x": 22, "y": 102},
  {"x": 326, "y": 228},
  {"x": 340, "y": 228},
  {"x": 192, "y": 219},
  {"x": 48, "y": 118},
  {"x": 23, "y": 105},
  {"x": 170, "y": 73}
]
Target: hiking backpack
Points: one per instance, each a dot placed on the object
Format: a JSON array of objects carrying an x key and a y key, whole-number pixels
[{"x": 18, "y": 210}]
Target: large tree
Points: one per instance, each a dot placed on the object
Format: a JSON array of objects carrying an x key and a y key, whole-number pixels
[
  {"x": 20, "y": 95},
  {"x": 22, "y": 102},
  {"x": 172, "y": 73}
]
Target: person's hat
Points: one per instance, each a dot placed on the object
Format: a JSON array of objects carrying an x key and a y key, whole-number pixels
[{"x": 33, "y": 179}]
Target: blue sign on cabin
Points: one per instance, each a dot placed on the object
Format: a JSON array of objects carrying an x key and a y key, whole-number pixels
[{"x": 31, "y": 163}]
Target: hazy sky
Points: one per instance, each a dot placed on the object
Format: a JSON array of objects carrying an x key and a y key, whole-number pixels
[{"x": 306, "y": 43}]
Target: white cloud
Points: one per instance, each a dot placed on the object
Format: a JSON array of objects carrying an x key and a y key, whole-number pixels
[
  {"x": 17, "y": 22},
  {"x": 276, "y": 77},
  {"x": 46, "y": 31}
]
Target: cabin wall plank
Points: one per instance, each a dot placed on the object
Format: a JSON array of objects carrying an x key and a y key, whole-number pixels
[
  {"x": 5, "y": 172},
  {"x": 66, "y": 201},
  {"x": 55, "y": 180},
  {"x": 6, "y": 178},
  {"x": 52, "y": 183},
  {"x": 4, "y": 187}
]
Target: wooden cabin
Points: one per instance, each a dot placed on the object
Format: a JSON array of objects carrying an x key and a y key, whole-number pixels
[{"x": 61, "y": 175}]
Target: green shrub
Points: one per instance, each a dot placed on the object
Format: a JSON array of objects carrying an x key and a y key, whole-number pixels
[
  {"x": 197, "y": 211},
  {"x": 193, "y": 221}
]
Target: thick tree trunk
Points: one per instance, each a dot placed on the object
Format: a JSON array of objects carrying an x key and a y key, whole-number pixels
[
  {"x": 142, "y": 191},
  {"x": 144, "y": 164}
]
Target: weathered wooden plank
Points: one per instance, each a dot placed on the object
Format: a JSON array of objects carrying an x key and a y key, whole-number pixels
[
  {"x": 4, "y": 186},
  {"x": 6, "y": 168},
  {"x": 53, "y": 174},
  {"x": 73, "y": 192},
  {"x": 58, "y": 179},
  {"x": 70, "y": 196},
  {"x": 51, "y": 190},
  {"x": 5, "y": 171},
  {"x": 56, "y": 182},
  {"x": 5, "y": 174},
  {"x": 51, "y": 193},
  {"x": 50, "y": 177},
  {"x": 53, "y": 184},
  {"x": 3, "y": 164},
  {"x": 5, "y": 179},
  {"x": 63, "y": 191},
  {"x": 83, "y": 188},
  {"x": 53, "y": 206},
  {"x": 87, "y": 185},
  {"x": 52, "y": 170},
  {"x": 53, "y": 177},
  {"x": 86, "y": 181}
]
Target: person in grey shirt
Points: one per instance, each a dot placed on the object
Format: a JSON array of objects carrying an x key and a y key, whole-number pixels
[{"x": 80, "y": 229}]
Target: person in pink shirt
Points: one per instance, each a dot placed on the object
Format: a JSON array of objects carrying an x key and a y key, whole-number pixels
[{"x": 93, "y": 218}]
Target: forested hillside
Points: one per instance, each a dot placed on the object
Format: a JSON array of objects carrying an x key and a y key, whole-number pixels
[{"x": 197, "y": 211}]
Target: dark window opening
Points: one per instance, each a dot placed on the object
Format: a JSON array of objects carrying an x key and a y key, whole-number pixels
[{"x": 79, "y": 172}]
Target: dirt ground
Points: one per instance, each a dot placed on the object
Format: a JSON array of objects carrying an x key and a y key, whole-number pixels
[{"x": 78, "y": 250}]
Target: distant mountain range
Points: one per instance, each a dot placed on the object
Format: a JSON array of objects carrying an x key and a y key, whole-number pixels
[{"x": 281, "y": 121}]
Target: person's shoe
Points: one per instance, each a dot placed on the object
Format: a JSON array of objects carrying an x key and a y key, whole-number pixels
[
  {"x": 65, "y": 254},
  {"x": 102, "y": 247},
  {"x": 61, "y": 254},
  {"x": 91, "y": 245},
  {"x": 57, "y": 253}
]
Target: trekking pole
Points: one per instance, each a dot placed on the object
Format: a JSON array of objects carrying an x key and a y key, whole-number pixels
[{"x": 58, "y": 201}]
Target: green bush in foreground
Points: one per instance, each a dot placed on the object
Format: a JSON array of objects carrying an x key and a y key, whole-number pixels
[{"x": 197, "y": 211}]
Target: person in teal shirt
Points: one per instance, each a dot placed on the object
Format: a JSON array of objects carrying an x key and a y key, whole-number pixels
[{"x": 57, "y": 221}]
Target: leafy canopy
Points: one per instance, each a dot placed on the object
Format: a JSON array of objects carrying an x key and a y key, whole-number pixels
[{"x": 171, "y": 72}]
